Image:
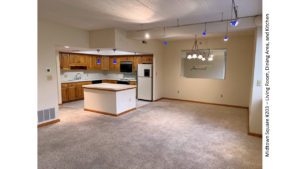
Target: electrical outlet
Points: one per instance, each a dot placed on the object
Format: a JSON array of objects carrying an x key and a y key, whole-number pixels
[
  {"x": 156, "y": 73},
  {"x": 49, "y": 78},
  {"x": 221, "y": 95},
  {"x": 87, "y": 75},
  {"x": 178, "y": 91},
  {"x": 65, "y": 76}
]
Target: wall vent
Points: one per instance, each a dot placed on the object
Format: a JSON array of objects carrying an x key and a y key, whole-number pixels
[{"x": 46, "y": 115}]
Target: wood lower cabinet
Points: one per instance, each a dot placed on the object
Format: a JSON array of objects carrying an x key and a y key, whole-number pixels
[
  {"x": 72, "y": 91},
  {"x": 113, "y": 81},
  {"x": 132, "y": 83}
]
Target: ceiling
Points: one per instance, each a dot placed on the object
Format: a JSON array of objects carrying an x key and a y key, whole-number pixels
[
  {"x": 130, "y": 14},
  {"x": 103, "y": 51}
]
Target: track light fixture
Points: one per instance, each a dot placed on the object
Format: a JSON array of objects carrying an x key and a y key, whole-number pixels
[
  {"x": 204, "y": 33},
  {"x": 114, "y": 62},
  {"x": 165, "y": 42},
  {"x": 226, "y": 39},
  {"x": 234, "y": 22},
  {"x": 147, "y": 35}
]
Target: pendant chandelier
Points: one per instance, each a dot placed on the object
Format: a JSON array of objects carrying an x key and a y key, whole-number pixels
[{"x": 199, "y": 54}]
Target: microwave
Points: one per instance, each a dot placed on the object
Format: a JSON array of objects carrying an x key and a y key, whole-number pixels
[{"x": 126, "y": 67}]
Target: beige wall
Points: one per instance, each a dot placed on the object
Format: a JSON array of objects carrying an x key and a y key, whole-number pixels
[
  {"x": 255, "y": 101},
  {"x": 49, "y": 35},
  {"x": 235, "y": 88}
]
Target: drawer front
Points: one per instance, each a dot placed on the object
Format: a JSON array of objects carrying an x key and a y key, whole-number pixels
[
  {"x": 64, "y": 85},
  {"x": 83, "y": 83},
  {"x": 71, "y": 84},
  {"x": 113, "y": 81},
  {"x": 132, "y": 83}
]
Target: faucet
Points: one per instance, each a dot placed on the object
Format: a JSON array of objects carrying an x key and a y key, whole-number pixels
[{"x": 77, "y": 78}]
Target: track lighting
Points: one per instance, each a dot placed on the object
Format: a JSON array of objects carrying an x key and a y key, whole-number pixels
[
  {"x": 210, "y": 59},
  {"x": 165, "y": 42},
  {"x": 189, "y": 57},
  {"x": 235, "y": 23},
  {"x": 203, "y": 59},
  {"x": 200, "y": 57},
  {"x": 147, "y": 35},
  {"x": 204, "y": 33},
  {"x": 225, "y": 39}
]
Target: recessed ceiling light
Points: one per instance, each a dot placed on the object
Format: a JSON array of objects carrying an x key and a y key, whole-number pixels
[{"x": 67, "y": 47}]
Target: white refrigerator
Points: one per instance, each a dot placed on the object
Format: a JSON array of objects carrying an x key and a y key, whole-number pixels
[{"x": 144, "y": 81}]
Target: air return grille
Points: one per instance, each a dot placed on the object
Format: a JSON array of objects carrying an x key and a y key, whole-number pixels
[{"x": 46, "y": 115}]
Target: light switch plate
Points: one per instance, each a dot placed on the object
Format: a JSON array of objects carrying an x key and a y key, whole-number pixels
[
  {"x": 49, "y": 78},
  {"x": 258, "y": 82}
]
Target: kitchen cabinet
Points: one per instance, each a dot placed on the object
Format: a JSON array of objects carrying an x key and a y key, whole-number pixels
[
  {"x": 91, "y": 62},
  {"x": 113, "y": 81},
  {"x": 64, "y": 93},
  {"x": 78, "y": 60},
  {"x": 97, "y": 65},
  {"x": 64, "y": 61},
  {"x": 104, "y": 63},
  {"x": 147, "y": 59},
  {"x": 136, "y": 60},
  {"x": 126, "y": 58},
  {"x": 113, "y": 66},
  {"x": 72, "y": 91}
]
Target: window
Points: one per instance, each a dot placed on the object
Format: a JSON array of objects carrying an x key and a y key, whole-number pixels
[{"x": 196, "y": 68}]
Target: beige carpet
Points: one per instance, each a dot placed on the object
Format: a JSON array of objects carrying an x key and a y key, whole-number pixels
[{"x": 164, "y": 134}]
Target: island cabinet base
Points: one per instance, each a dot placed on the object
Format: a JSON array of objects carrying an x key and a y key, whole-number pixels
[{"x": 114, "y": 103}]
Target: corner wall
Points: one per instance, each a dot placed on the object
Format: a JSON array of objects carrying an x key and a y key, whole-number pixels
[
  {"x": 234, "y": 88},
  {"x": 49, "y": 35},
  {"x": 255, "y": 102}
]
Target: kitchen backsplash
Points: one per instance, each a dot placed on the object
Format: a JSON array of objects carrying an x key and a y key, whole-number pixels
[{"x": 93, "y": 74}]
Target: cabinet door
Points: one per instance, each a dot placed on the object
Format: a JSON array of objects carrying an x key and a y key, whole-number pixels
[
  {"x": 151, "y": 59},
  {"x": 137, "y": 60},
  {"x": 64, "y": 94},
  {"x": 64, "y": 62},
  {"x": 72, "y": 93},
  {"x": 74, "y": 58},
  {"x": 79, "y": 91},
  {"x": 115, "y": 66},
  {"x": 132, "y": 83},
  {"x": 78, "y": 59},
  {"x": 130, "y": 58},
  {"x": 145, "y": 58},
  {"x": 82, "y": 59},
  {"x": 91, "y": 62},
  {"x": 105, "y": 63},
  {"x": 97, "y": 64}
]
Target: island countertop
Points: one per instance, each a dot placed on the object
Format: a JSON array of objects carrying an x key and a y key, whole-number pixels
[{"x": 109, "y": 86}]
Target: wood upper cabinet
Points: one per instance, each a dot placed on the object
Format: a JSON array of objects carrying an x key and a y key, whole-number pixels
[
  {"x": 91, "y": 62},
  {"x": 104, "y": 63},
  {"x": 136, "y": 60},
  {"x": 97, "y": 65},
  {"x": 113, "y": 66},
  {"x": 78, "y": 60},
  {"x": 147, "y": 59},
  {"x": 64, "y": 61},
  {"x": 126, "y": 58}
]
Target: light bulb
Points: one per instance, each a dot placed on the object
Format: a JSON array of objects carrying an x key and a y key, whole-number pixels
[
  {"x": 234, "y": 23},
  {"x": 225, "y": 39},
  {"x": 203, "y": 59},
  {"x": 204, "y": 33},
  {"x": 189, "y": 57},
  {"x": 200, "y": 57},
  {"x": 212, "y": 56},
  {"x": 210, "y": 59},
  {"x": 194, "y": 56},
  {"x": 67, "y": 47},
  {"x": 165, "y": 42},
  {"x": 147, "y": 35}
]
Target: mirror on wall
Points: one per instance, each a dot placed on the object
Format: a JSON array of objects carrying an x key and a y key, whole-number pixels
[{"x": 208, "y": 69}]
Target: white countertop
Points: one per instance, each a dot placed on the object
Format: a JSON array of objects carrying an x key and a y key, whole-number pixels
[
  {"x": 109, "y": 86},
  {"x": 87, "y": 80}
]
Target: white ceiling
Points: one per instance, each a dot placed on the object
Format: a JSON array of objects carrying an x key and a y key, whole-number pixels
[
  {"x": 130, "y": 14},
  {"x": 103, "y": 51}
]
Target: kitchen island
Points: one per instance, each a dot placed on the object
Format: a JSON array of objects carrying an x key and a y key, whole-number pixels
[{"x": 109, "y": 99}]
